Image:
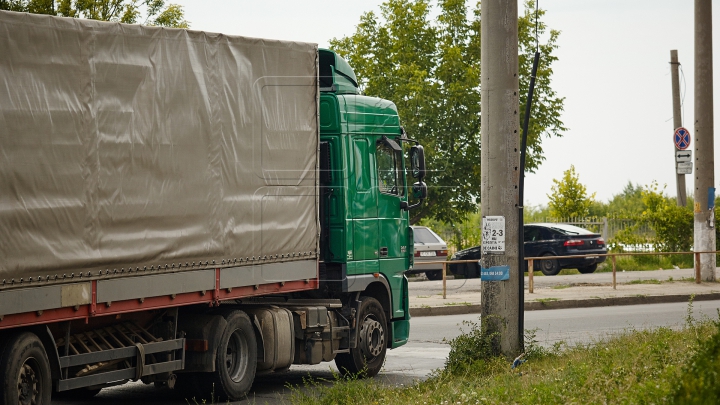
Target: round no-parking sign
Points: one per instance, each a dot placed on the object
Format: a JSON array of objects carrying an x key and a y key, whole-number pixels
[{"x": 682, "y": 138}]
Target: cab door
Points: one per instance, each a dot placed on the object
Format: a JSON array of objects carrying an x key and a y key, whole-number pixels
[
  {"x": 391, "y": 186},
  {"x": 364, "y": 200}
]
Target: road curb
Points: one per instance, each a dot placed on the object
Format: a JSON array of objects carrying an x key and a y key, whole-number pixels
[{"x": 563, "y": 304}]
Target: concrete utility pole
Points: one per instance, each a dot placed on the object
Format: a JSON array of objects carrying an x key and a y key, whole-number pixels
[
  {"x": 704, "y": 145},
  {"x": 677, "y": 123},
  {"x": 500, "y": 169}
]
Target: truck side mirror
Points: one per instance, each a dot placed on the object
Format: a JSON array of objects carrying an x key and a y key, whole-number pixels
[
  {"x": 417, "y": 163},
  {"x": 419, "y": 190}
]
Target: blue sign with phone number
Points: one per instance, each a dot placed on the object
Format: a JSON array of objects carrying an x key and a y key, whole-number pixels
[{"x": 495, "y": 273}]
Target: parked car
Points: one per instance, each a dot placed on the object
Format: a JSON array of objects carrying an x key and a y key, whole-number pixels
[
  {"x": 469, "y": 270},
  {"x": 429, "y": 247},
  {"x": 546, "y": 239}
]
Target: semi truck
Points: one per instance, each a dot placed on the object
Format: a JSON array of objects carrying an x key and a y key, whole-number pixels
[{"x": 195, "y": 209}]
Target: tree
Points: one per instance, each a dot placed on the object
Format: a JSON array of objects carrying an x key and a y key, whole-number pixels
[
  {"x": 124, "y": 11},
  {"x": 628, "y": 203},
  {"x": 568, "y": 197},
  {"x": 431, "y": 70},
  {"x": 673, "y": 225}
]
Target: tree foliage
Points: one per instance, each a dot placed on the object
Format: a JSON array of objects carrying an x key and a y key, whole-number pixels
[
  {"x": 568, "y": 197},
  {"x": 628, "y": 203},
  {"x": 431, "y": 70},
  {"x": 673, "y": 225},
  {"x": 124, "y": 11}
]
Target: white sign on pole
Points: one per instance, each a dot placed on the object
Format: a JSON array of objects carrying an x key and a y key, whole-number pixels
[
  {"x": 683, "y": 156},
  {"x": 684, "y": 168},
  {"x": 493, "y": 234}
]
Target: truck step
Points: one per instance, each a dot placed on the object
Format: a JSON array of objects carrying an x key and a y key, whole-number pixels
[{"x": 341, "y": 351}]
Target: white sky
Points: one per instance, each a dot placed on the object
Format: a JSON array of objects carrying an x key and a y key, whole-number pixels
[{"x": 613, "y": 70}]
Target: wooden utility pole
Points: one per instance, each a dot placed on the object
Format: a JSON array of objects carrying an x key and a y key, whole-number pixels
[
  {"x": 500, "y": 160},
  {"x": 704, "y": 235},
  {"x": 677, "y": 123}
]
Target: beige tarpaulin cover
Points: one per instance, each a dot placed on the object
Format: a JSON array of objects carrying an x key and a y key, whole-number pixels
[{"x": 125, "y": 146}]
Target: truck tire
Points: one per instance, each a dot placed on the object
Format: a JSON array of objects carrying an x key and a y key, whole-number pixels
[
  {"x": 24, "y": 371},
  {"x": 236, "y": 359},
  {"x": 369, "y": 355}
]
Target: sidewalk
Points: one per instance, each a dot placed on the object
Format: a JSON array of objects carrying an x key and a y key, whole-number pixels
[{"x": 576, "y": 291}]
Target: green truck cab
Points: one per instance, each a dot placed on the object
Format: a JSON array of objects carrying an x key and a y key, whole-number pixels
[{"x": 366, "y": 235}]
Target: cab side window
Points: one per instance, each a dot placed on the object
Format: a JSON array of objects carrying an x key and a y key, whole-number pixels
[{"x": 389, "y": 173}]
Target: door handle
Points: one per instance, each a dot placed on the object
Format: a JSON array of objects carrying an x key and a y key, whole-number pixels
[{"x": 383, "y": 251}]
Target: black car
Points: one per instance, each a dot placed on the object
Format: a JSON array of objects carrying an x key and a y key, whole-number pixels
[{"x": 547, "y": 240}]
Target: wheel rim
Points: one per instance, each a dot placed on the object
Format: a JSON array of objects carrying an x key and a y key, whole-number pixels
[
  {"x": 547, "y": 264},
  {"x": 28, "y": 384},
  {"x": 236, "y": 361},
  {"x": 372, "y": 338}
]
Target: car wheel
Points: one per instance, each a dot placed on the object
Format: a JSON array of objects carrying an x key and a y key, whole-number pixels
[
  {"x": 434, "y": 275},
  {"x": 369, "y": 355},
  {"x": 549, "y": 267},
  {"x": 588, "y": 269}
]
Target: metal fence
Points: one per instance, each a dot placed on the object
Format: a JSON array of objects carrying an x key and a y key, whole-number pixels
[{"x": 531, "y": 265}]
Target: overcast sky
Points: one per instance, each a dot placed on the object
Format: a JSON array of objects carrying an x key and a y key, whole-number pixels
[{"x": 613, "y": 71}]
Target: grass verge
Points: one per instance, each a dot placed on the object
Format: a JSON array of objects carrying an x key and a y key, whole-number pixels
[
  {"x": 649, "y": 262},
  {"x": 637, "y": 367},
  {"x": 649, "y": 281}
]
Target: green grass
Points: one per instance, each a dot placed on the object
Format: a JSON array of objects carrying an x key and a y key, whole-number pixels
[
  {"x": 546, "y": 300},
  {"x": 467, "y": 304},
  {"x": 638, "y": 367},
  {"x": 561, "y": 286},
  {"x": 651, "y": 262},
  {"x": 649, "y": 281}
]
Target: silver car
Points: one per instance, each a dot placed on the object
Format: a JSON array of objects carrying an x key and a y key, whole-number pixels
[{"x": 429, "y": 247}]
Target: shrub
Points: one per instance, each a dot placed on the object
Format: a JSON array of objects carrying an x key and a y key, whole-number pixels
[
  {"x": 699, "y": 380},
  {"x": 480, "y": 343}
]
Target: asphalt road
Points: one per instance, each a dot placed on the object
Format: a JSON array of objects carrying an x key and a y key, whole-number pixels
[{"x": 428, "y": 349}]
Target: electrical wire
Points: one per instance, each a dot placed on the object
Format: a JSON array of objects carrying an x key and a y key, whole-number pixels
[
  {"x": 537, "y": 12},
  {"x": 682, "y": 95}
]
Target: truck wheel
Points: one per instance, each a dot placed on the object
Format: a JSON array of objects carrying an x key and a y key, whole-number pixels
[
  {"x": 369, "y": 355},
  {"x": 24, "y": 371},
  {"x": 236, "y": 359}
]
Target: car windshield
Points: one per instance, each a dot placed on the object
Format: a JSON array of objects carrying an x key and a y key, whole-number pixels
[
  {"x": 569, "y": 229},
  {"x": 424, "y": 236}
]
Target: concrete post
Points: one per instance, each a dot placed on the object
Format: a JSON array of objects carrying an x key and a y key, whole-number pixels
[
  {"x": 500, "y": 160},
  {"x": 677, "y": 123},
  {"x": 704, "y": 235}
]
